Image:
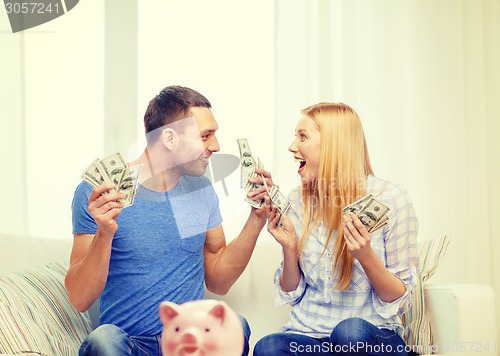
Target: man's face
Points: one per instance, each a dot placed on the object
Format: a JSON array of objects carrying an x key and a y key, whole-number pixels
[{"x": 198, "y": 141}]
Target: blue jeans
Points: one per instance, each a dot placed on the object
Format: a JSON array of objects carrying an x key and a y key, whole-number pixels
[
  {"x": 110, "y": 340},
  {"x": 353, "y": 336}
]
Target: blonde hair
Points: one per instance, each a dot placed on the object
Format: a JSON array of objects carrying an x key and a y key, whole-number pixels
[{"x": 344, "y": 167}]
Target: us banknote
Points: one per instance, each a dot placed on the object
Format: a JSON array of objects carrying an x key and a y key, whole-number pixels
[
  {"x": 113, "y": 169},
  {"x": 371, "y": 212},
  {"x": 248, "y": 170}
]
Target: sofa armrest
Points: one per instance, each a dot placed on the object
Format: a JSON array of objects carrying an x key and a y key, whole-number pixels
[{"x": 463, "y": 318}]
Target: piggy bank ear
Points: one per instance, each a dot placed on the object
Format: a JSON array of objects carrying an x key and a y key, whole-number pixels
[
  {"x": 219, "y": 312},
  {"x": 168, "y": 311}
]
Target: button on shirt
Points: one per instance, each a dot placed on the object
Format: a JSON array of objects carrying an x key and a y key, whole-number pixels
[{"x": 318, "y": 306}]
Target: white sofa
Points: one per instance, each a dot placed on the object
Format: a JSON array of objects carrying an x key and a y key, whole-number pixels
[{"x": 462, "y": 316}]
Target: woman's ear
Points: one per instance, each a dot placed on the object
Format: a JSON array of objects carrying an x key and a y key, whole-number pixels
[{"x": 169, "y": 138}]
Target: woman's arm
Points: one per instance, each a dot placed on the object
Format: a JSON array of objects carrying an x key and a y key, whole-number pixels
[{"x": 388, "y": 287}]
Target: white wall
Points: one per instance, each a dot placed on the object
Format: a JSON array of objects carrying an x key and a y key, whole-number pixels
[{"x": 51, "y": 117}]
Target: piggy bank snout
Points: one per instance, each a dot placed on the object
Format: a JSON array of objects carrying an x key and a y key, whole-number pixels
[
  {"x": 201, "y": 327},
  {"x": 188, "y": 338}
]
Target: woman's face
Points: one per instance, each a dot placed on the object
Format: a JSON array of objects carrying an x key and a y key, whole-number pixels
[{"x": 306, "y": 148}]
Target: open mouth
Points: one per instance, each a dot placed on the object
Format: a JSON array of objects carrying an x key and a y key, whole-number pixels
[{"x": 302, "y": 162}]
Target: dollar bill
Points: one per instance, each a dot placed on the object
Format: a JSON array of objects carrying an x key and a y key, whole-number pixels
[
  {"x": 380, "y": 224},
  {"x": 248, "y": 170},
  {"x": 251, "y": 186},
  {"x": 371, "y": 212},
  {"x": 248, "y": 163},
  {"x": 128, "y": 184},
  {"x": 94, "y": 174},
  {"x": 113, "y": 169},
  {"x": 357, "y": 205},
  {"x": 279, "y": 200}
]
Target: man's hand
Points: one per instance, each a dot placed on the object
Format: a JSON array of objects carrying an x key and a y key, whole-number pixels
[
  {"x": 263, "y": 177},
  {"x": 105, "y": 206}
]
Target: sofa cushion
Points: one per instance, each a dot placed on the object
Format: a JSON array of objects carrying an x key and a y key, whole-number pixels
[
  {"x": 417, "y": 325},
  {"x": 36, "y": 315}
]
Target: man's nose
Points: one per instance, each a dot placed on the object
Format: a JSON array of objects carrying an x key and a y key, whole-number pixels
[{"x": 213, "y": 145}]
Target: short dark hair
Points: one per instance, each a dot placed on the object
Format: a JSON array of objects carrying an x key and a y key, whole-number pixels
[{"x": 171, "y": 104}]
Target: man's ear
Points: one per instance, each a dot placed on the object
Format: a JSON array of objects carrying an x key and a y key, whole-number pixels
[{"x": 169, "y": 138}]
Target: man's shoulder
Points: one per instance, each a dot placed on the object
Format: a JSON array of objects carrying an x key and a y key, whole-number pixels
[{"x": 83, "y": 189}]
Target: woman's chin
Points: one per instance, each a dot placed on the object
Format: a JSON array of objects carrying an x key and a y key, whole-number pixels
[{"x": 307, "y": 178}]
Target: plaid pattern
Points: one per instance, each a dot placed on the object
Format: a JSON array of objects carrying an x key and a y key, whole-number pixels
[{"x": 317, "y": 305}]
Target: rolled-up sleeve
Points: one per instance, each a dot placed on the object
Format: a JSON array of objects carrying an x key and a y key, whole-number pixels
[
  {"x": 400, "y": 252},
  {"x": 400, "y": 305},
  {"x": 293, "y": 297}
]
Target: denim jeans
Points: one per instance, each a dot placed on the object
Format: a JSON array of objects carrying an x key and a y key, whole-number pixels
[
  {"x": 110, "y": 340},
  {"x": 353, "y": 336}
]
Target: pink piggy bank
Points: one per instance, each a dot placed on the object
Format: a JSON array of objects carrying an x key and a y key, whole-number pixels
[{"x": 200, "y": 328}]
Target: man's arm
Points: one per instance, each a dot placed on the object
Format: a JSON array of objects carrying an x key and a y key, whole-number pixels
[
  {"x": 89, "y": 262},
  {"x": 225, "y": 263},
  {"x": 88, "y": 271}
]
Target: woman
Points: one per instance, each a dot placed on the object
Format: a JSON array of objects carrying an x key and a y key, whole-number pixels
[{"x": 347, "y": 287}]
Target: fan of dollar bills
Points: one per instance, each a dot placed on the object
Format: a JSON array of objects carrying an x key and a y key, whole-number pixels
[
  {"x": 113, "y": 169},
  {"x": 248, "y": 167},
  {"x": 371, "y": 212}
]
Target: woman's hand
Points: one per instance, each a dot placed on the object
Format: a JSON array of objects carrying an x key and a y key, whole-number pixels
[
  {"x": 356, "y": 236},
  {"x": 284, "y": 231}
]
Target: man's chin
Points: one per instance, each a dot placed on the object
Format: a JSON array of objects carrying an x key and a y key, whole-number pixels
[
  {"x": 195, "y": 168},
  {"x": 198, "y": 173}
]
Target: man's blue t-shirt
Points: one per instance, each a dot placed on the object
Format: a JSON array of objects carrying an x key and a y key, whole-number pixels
[{"x": 157, "y": 251}]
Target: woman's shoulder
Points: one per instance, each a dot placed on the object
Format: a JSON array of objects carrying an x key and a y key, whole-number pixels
[
  {"x": 387, "y": 192},
  {"x": 295, "y": 194}
]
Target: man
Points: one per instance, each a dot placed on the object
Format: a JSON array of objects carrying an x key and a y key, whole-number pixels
[{"x": 168, "y": 243}]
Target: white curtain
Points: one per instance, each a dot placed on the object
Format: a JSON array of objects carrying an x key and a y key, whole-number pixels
[{"x": 424, "y": 78}]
